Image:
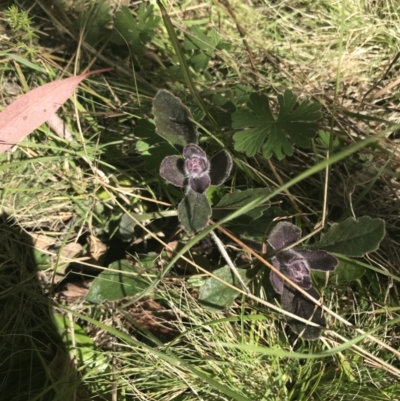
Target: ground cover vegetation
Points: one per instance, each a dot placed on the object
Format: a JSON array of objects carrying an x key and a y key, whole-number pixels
[{"x": 212, "y": 215}]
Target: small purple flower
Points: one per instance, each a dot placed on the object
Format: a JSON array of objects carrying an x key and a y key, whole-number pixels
[
  {"x": 195, "y": 170},
  {"x": 296, "y": 263}
]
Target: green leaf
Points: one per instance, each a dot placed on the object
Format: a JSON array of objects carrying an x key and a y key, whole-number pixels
[
  {"x": 324, "y": 138},
  {"x": 215, "y": 295},
  {"x": 125, "y": 26},
  {"x": 262, "y": 130},
  {"x": 80, "y": 345},
  {"x": 257, "y": 228},
  {"x": 237, "y": 199},
  {"x": 135, "y": 32},
  {"x": 194, "y": 211},
  {"x": 121, "y": 280},
  {"x": 173, "y": 119},
  {"x": 96, "y": 21},
  {"x": 353, "y": 237},
  {"x": 127, "y": 226},
  {"x": 200, "y": 61},
  {"x": 149, "y": 147},
  {"x": 347, "y": 270}
]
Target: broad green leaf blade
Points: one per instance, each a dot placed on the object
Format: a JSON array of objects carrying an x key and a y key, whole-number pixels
[
  {"x": 271, "y": 133},
  {"x": 353, "y": 237},
  {"x": 245, "y": 119},
  {"x": 194, "y": 211},
  {"x": 286, "y": 103},
  {"x": 347, "y": 270},
  {"x": 237, "y": 199},
  {"x": 249, "y": 141},
  {"x": 277, "y": 144},
  {"x": 173, "y": 119},
  {"x": 122, "y": 280},
  {"x": 215, "y": 295}
]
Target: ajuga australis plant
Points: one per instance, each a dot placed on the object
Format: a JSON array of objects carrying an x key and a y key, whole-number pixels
[
  {"x": 194, "y": 171},
  {"x": 296, "y": 264}
]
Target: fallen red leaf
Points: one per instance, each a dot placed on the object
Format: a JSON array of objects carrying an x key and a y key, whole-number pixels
[{"x": 34, "y": 108}]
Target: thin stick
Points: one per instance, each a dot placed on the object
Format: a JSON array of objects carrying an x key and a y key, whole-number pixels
[{"x": 229, "y": 261}]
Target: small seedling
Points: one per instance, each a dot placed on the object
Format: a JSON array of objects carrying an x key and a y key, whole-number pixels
[
  {"x": 194, "y": 171},
  {"x": 296, "y": 265}
]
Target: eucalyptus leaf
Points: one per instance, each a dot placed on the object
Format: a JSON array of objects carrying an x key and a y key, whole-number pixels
[
  {"x": 215, "y": 295},
  {"x": 121, "y": 280},
  {"x": 353, "y": 237},
  {"x": 173, "y": 119},
  {"x": 194, "y": 211}
]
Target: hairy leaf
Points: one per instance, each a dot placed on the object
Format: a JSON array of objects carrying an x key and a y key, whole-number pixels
[
  {"x": 347, "y": 270},
  {"x": 293, "y": 266},
  {"x": 262, "y": 130},
  {"x": 118, "y": 282},
  {"x": 215, "y": 295},
  {"x": 318, "y": 259},
  {"x": 173, "y": 119},
  {"x": 199, "y": 184},
  {"x": 283, "y": 235},
  {"x": 194, "y": 211},
  {"x": 221, "y": 166},
  {"x": 353, "y": 237},
  {"x": 294, "y": 302},
  {"x": 171, "y": 169}
]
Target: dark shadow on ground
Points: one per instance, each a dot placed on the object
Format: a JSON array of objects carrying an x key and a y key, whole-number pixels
[{"x": 34, "y": 364}]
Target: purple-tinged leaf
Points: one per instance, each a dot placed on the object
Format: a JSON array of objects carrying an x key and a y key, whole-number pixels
[
  {"x": 276, "y": 281},
  {"x": 194, "y": 211},
  {"x": 199, "y": 184},
  {"x": 318, "y": 259},
  {"x": 283, "y": 235},
  {"x": 221, "y": 166},
  {"x": 293, "y": 301},
  {"x": 173, "y": 119},
  {"x": 171, "y": 169},
  {"x": 193, "y": 150},
  {"x": 295, "y": 267},
  {"x": 197, "y": 166}
]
